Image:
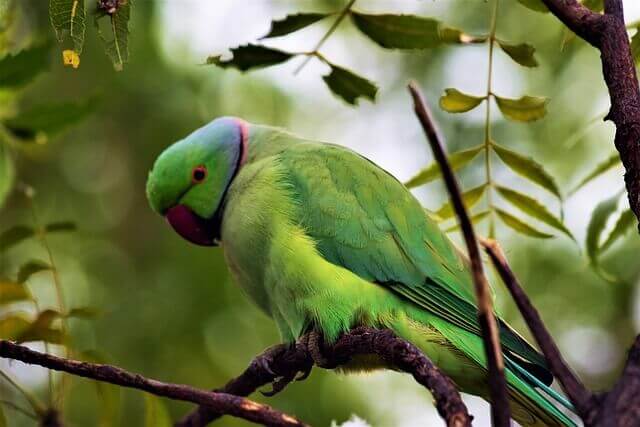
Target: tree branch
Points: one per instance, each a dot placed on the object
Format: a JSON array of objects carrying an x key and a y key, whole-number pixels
[
  {"x": 220, "y": 402},
  {"x": 497, "y": 382},
  {"x": 284, "y": 362},
  {"x": 609, "y": 34},
  {"x": 581, "y": 398}
]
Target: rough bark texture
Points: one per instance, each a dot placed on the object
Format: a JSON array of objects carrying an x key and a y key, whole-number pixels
[
  {"x": 285, "y": 362},
  {"x": 221, "y": 402}
]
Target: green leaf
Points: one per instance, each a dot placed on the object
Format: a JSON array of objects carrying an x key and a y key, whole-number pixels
[
  {"x": 456, "y": 160},
  {"x": 520, "y": 226},
  {"x": 291, "y": 23},
  {"x": 117, "y": 47},
  {"x": 7, "y": 173},
  {"x": 21, "y": 68},
  {"x": 610, "y": 163},
  {"x": 522, "y": 53},
  {"x": 30, "y": 268},
  {"x": 625, "y": 222},
  {"x": 635, "y": 45},
  {"x": 595, "y": 5},
  {"x": 454, "y": 101},
  {"x": 68, "y": 20},
  {"x": 46, "y": 120},
  {"x": 62, "y": 226},
  {"x": 349, "y": 86},
  {"x": 525, "y": 109},
  {"x": 535, "y": 5},
  {"x": 528, "y": 168},
  {"x": 597, "y": 225},
  {"x": 470, "y": 198},
  {"x": 532, "y": 207},
  {"x": 11, "y": 292},
  {"x": 41, "y": 330},
  {"x": 409, "y": 31},
  {"x": 155, "y": 414},
  {"x": 251, "y": 56},
  {"x": 475, "y": 218},
  {"x": 15, "y": 235},
  {"x": 13, "y": 325}
]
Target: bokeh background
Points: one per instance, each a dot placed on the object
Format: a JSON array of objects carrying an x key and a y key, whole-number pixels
[{"x": 169, "y": 310}]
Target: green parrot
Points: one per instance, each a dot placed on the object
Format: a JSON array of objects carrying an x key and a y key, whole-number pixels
[{"x": 322, "y": 239}]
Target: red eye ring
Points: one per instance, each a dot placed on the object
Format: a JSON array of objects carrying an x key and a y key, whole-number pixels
[{"x": 199, "y": 174}]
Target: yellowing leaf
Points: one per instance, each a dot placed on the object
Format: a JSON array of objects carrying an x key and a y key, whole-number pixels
[
  {"x": 525, "y": 109},
  {"x": 12, "y": 326},
  {"x": 70, "y": 58},
  {"x": 528, "y": 168},
  {"x": 532, "y": 207},
  {"x": 409, "y": 31},
  {"x": 522, "y": 53},
  {"x": 349, "y": 86},
  {"x": 454, "y": 101},
  {"x": 11, "y": 292},
  {"x": 456, "y": 160},
  {"x": 470, "y": 198},
  {"x": 520, "y": 226}
]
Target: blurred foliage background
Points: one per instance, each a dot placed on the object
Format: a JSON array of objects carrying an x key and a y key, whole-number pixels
[{"x": 154, "y": 304}]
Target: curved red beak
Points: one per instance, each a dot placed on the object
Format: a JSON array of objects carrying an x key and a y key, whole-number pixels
[{"x": 191, "y": 227}]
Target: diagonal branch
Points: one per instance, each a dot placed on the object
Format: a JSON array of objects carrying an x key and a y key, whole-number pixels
[
  {"x": 608, "y": 33},
  {"x": 578, "y": 18},
  {"x": 220, "y": 402},
  {"x": 576, "y": 391},
  {"x": 486, "y": 318},
  {"x": 283, "y": 361}
]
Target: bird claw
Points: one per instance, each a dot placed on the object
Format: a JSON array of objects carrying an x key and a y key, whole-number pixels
[
  {"x": 314, "y": 342},
  {"x": 278, "y": 385}
]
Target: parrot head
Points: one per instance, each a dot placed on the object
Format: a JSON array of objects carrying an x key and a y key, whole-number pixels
[{"x": 189, "y": 180}]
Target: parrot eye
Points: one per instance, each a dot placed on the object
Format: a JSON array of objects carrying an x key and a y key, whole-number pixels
[{"x": 199, "y": 174}]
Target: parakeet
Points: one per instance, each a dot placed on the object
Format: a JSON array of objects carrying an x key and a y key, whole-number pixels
[{"x": 322, "y": 239}]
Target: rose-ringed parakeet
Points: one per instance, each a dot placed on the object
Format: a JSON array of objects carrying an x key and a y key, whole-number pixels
[{"x": 322, "y": 239}]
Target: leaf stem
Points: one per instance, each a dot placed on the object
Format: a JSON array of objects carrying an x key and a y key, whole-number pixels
[
  {"x": 487, "y": 121},
  {"x": 42, "y": 235},
  {"x": 324, "y": 38}
]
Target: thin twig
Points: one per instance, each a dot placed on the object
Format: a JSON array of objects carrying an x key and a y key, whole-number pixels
[
  {"x": 576, "y": 391},
  {"x": 324, "y": 38},
  {"x": 286, "y": 361},
  {"x": 497, "y": 382},
  {"x": 221, "y": 402}
]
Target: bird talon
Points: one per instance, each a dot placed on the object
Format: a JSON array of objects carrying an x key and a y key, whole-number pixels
[
  {"x": 304, "y": 374},
  {"x": 278, "y": 385}
]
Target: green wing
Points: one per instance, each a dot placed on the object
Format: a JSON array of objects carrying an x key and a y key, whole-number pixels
[{"x": 363, "y": 219}]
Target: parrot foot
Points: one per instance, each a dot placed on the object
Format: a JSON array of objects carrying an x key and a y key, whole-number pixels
[
  {"x": 270, "y": 363},
  {"x": 314, "y": 343},
  {"x": 278, "y": 385}
]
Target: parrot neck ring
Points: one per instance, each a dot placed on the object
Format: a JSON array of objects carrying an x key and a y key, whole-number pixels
[{"x": 194, "y": 228}]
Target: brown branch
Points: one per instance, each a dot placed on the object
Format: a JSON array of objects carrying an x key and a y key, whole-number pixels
[
  {"x": 285, "y": 362},
  {"x": 581, "y": 398},
  {"x": 490, "y": 336},
  {"x": 220, "y": 402},
  {"x": 609, "y": 34}
]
